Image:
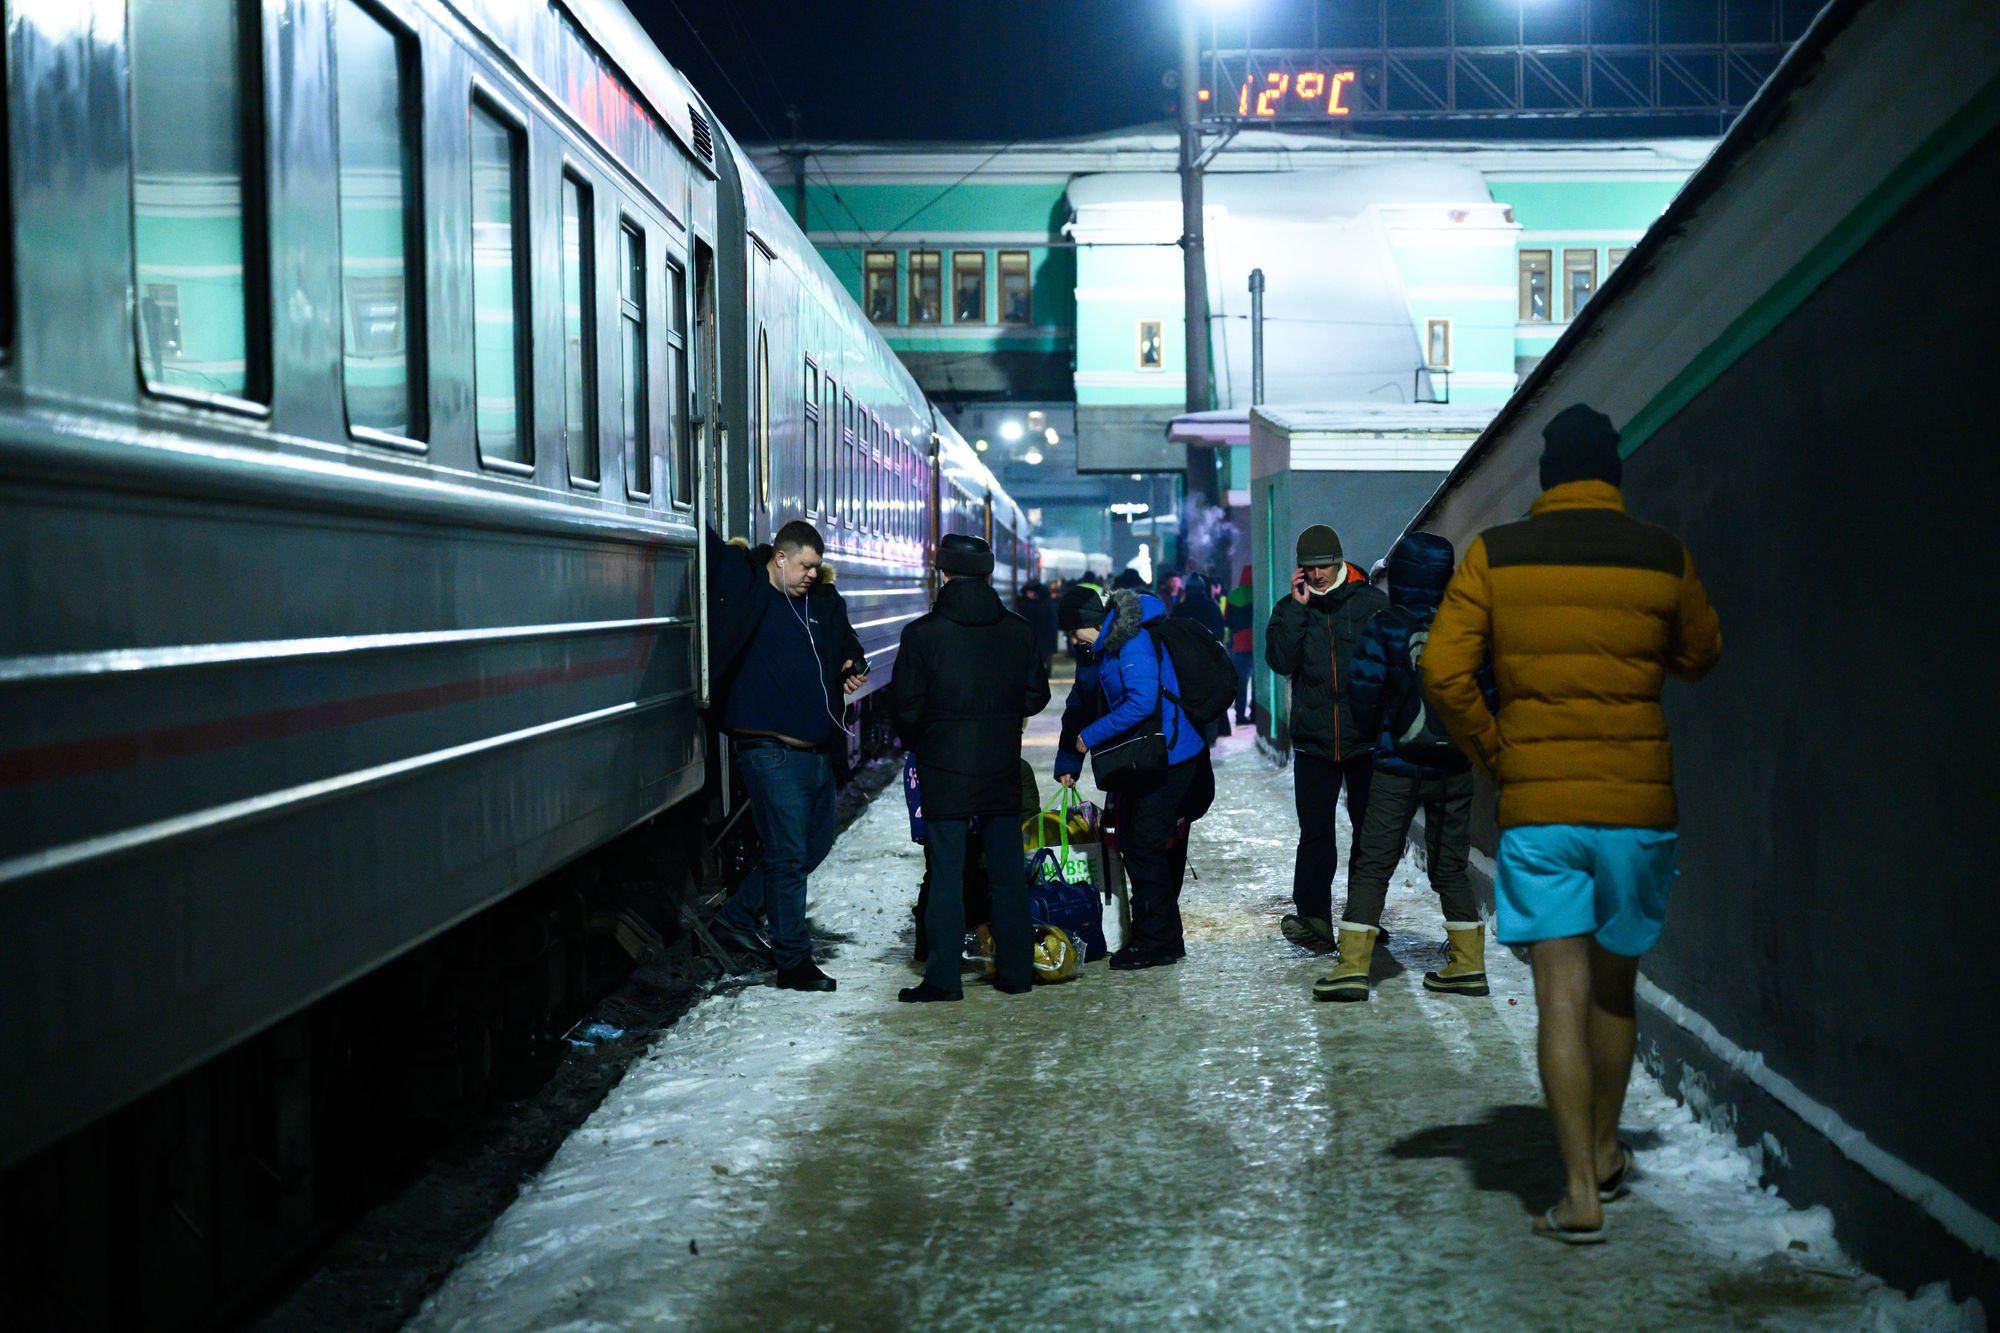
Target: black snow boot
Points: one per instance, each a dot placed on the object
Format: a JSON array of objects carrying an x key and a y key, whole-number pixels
[{"x": 806, "y": 976}]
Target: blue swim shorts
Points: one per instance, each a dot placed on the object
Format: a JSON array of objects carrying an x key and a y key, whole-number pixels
[{"x": 1557, "y": 880}]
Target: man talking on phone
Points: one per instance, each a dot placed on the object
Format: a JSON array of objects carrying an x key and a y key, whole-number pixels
[{"x": 1311, "y": 640}]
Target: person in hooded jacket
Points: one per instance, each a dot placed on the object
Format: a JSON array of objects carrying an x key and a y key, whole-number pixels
[
  {"x": 1311, "y": 639},
  {"x": 1136, "y": 680},
  {"x": 967, "y": 676},
  {"x": 1080, "y": 615},
  {"x": 1412, "y": 771},
  {"x": 1239, "y": 621},
  {"x": 1035, "y": 605}
]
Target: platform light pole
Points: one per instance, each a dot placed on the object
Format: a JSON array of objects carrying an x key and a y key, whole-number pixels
[
  {"x": 1194, "y": 262},
  {"x": 1256, "y": 337}
]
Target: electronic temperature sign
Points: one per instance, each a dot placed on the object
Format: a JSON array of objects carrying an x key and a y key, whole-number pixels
[{"x": 1285, "y": 86}]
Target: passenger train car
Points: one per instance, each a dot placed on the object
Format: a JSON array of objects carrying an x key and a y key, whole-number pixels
[{"x": 368, "y": 369}]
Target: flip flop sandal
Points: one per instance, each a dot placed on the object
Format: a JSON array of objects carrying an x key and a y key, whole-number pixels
[
  {"x": 1620, "y": 1183},
  {"x": 1547, "y": 1226}
]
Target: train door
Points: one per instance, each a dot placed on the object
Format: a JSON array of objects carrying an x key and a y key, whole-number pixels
[{"x": 704, "y": 408}]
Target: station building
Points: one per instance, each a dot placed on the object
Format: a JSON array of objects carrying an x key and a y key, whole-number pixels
[{"x": 1046, "y": 278}]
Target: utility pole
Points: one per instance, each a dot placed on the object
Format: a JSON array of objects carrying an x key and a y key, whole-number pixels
[
  {"x": 1257, "y": 336},
  {"x": 1194, "y": 261}
]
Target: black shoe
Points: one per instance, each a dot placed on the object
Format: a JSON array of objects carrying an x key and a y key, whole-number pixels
[
  {"x": 746, "y": 942},
  {"x": 806, "y": 976},
  {"x": 1012, "y": 987},
  {"x": 1308, "y": 932},
  {"x": 1134, "y": 957},
  {"x": 925, "y": 993}
]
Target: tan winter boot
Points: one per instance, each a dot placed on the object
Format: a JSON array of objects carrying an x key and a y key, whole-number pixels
[
  {"x": 1465, "y": 973},
  {"x": 1349, "y": 981}
]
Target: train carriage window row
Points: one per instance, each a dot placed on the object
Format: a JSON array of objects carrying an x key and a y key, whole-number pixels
[
  {"x": 196, "y": 122},
  {"x": 880, "y": 270}
]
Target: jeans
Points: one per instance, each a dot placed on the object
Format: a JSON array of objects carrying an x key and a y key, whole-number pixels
[
  {"x": 791, "y": 802},
  {"x": 1243, "y": 662},
  {"x": 944, "y": 914},
  {"x": 1155, "y": 859},
  {"x": 1316, "y": 784},
  {"x": 1392, "y": 803}
]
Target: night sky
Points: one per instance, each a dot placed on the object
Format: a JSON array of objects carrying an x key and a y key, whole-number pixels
[
  {"x": 937, "y": 69},
  {"x": 1001, "y": 70}
]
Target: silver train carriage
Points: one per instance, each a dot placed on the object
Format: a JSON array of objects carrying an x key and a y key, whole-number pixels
[{"x": 367, "y": 368}]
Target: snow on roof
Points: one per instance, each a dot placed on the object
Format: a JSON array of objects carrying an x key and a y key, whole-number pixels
[{"x": 1377, "y": 418}]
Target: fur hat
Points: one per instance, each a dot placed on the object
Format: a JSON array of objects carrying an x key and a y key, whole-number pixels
[{"x": 960, "y": 555}]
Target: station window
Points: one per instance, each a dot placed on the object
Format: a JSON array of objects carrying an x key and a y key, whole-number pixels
[
  {"x": 195, "y": 118},
  {"x": 381, "y": 224},
  {"x": 1535, "y": 290},
  {"x": 1437, "y": 344},
  {"x": 680, "y": 437},
  {"x": 1151, "y": 353},
  {"x": 579, "y": 286},
  {"x": 1579, "y": 279},
  {"x": 1016, "y": 301},
  {"x": 499, "y": 290},
  {"x": 926, "y": 279},
  {"x": 809, "y": 464},
  {"x": 878, "y": 286},
  {"x": 1615, "y": 257},
  {"x": 634, "y": 423},
  {"x": 968, "y": 287}
]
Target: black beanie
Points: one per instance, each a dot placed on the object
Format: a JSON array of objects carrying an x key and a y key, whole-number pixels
[
  {"x": 1081, "y": 606},
  {"x": 959, "y": 554},
  {"x": 1580, "y": 445}
]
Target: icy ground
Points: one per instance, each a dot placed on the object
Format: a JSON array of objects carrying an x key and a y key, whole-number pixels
[{"x": 1195, "y": 1146}]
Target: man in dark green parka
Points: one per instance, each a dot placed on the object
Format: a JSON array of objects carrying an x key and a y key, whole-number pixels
[{"x": 1311, "y": 640}]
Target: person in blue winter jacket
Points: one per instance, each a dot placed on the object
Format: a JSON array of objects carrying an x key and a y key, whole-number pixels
[
  {"x": 1135, "y": 679},
  {"x": 1416, "y": 766},
  {"x": 1080, "y": 616}
]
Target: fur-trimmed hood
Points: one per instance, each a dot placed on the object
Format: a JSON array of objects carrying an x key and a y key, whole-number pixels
[{"x": 1130, "y": 611}]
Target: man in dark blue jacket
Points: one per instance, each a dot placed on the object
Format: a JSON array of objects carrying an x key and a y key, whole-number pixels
[
  {"x": 1416, "y": 764},
  {"x": 785, "y": 660}
]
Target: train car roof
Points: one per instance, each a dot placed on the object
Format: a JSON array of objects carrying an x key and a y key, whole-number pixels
[{"x": 628, "y": 46}]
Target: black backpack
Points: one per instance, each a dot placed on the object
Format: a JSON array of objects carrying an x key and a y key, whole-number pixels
[
  {"x": 1207, "y": 677},
  {"x": 1416, "y": 733}
]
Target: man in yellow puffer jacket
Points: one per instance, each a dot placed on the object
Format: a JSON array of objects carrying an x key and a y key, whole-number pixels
[{"x": 1582, "y": 612}]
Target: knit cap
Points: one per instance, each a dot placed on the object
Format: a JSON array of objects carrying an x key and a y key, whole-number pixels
[
  {"x": 1081, "y": 606},
  {"x": 1580, "y": 445},
  {"x": 1319, "y": 545}
]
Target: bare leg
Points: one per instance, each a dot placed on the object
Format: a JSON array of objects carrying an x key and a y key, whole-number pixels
[
  {"x": 1562, "y": 1004},
  {"x": 1613, "y": 1038}
]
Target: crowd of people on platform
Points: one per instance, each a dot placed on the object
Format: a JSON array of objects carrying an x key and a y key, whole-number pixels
[{"x": 1537, "y": 660}]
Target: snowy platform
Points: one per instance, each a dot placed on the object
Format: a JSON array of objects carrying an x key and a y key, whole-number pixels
[{"x": 1194, "y": 1146}]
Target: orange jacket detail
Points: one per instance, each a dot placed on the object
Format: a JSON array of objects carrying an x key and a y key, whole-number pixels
[{"x": 1583, "y": 611}]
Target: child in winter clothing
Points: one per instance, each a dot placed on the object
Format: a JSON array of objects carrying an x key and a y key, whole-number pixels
[{"x": 1415, "y": 766}]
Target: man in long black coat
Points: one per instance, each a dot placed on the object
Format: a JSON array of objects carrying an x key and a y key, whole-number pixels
[{"x": 967, "y": 674}]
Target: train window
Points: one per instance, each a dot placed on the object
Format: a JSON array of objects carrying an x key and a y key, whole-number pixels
[
  {"x": 1579, "y": 279},
  {"x": 579, "y": 286},
  {"x": 763, "y": 417},
  {"x": 635, "y": 433},
  {"x": 197, "y": 216},
  {"x": 6, "y": 223},
  {"x": 968, "y": 286},
  {"x": 1535, "y": 286},
  {"x": 926, "y": 277},
  {"x": 843, "y": 482},
  {"x": 500, "y": 375},
  {"x": 677, "y": 370},
  {"x": 381, "y": 224},
  {"x": 878, "y": 285},
  {"x": 829, "y": 444},
  {"x": 809, "y": 463},
  {"x": 1016, "y": 301}
]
